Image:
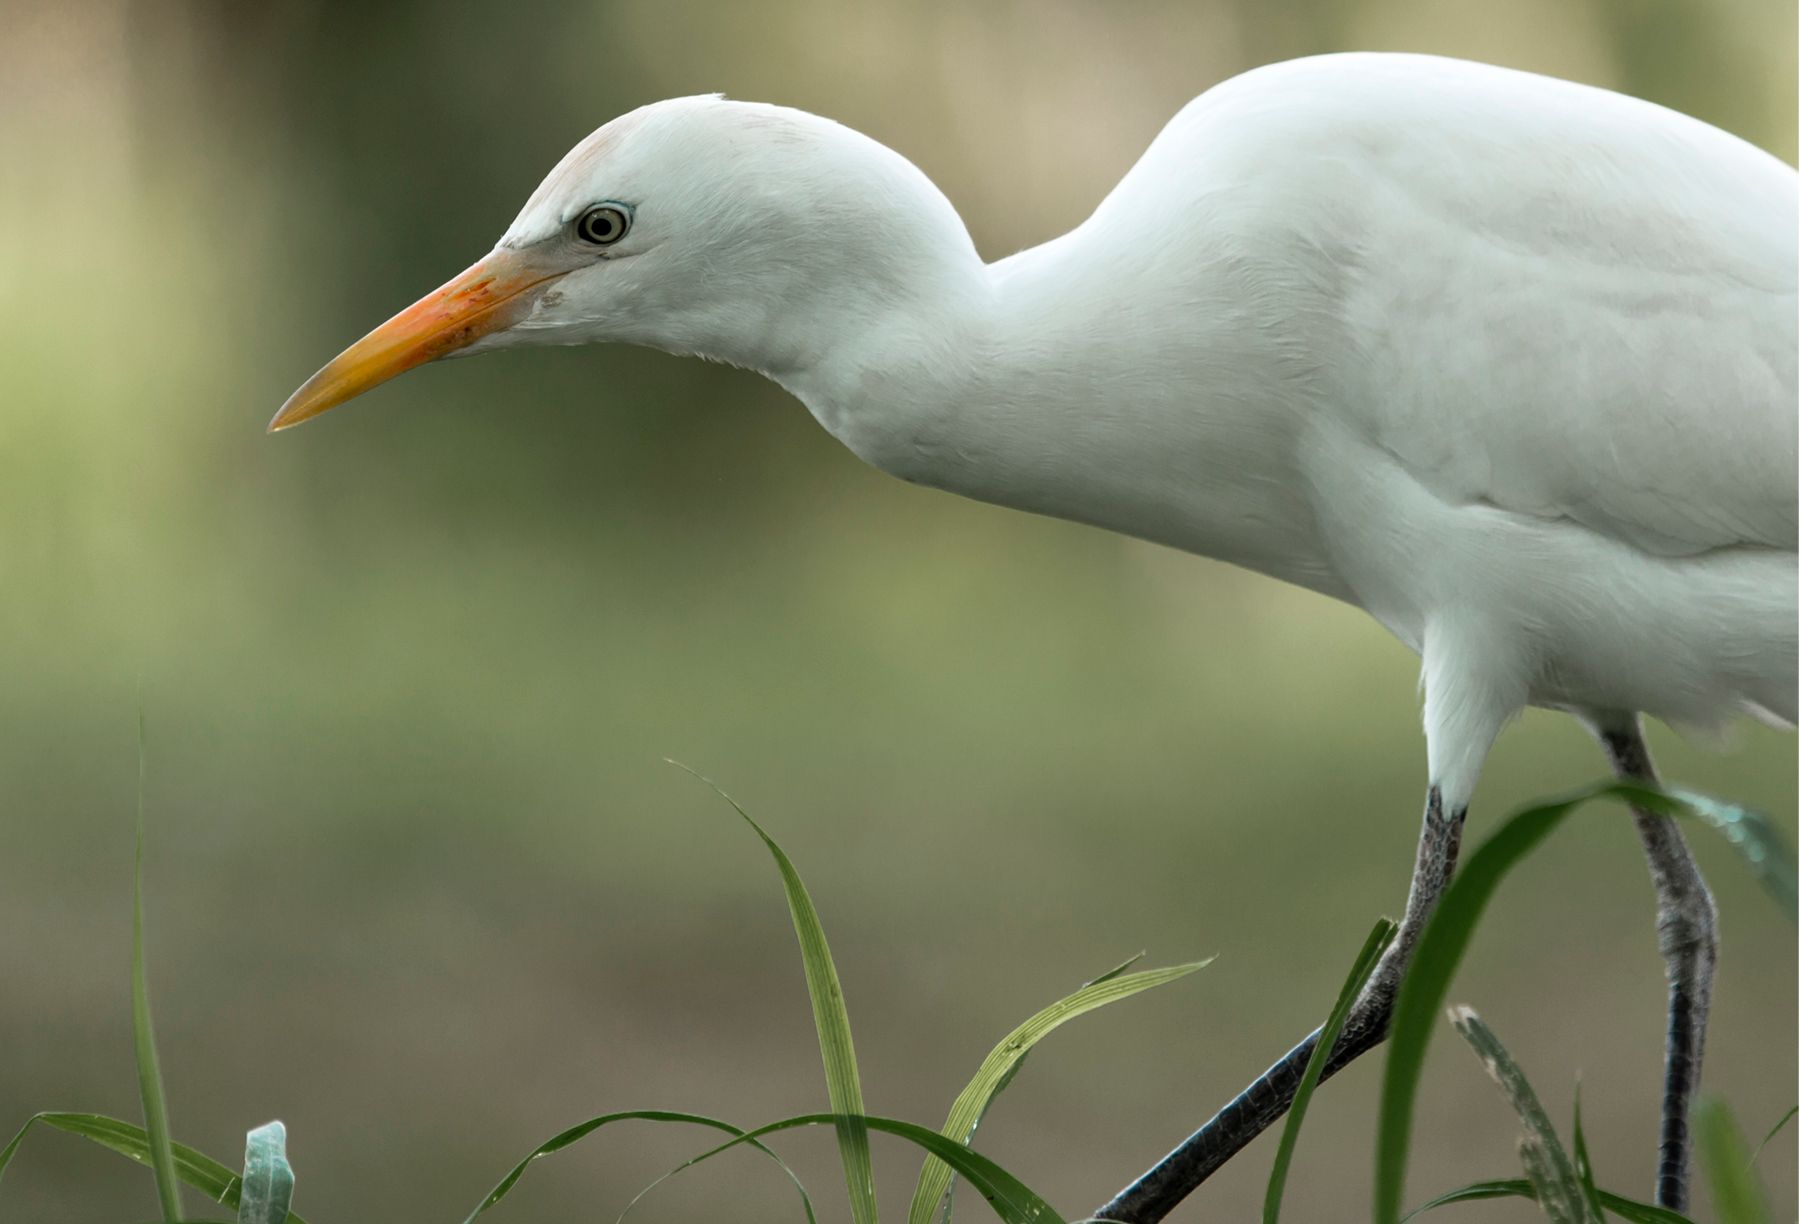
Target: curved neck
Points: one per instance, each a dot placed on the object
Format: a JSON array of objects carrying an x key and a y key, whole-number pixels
[
  {"x": 982, "y": 379},
  {"x": 1058, "y": 383}
]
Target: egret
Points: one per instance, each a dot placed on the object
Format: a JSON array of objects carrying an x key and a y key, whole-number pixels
[{"x": 1506, "y": 361}]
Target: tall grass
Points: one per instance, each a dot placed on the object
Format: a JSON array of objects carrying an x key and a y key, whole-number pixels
[
  {"x": 1558, "y": 1177},
  {"x": 150, "y": 1088}
]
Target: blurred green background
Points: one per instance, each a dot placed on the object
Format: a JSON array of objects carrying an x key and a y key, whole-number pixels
[{"x": 420, "y": 882}]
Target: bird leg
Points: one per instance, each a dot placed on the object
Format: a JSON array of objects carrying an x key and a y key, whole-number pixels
[
  {"x": 1252, "y": 1111},
  {"x": 1686, "y": 927}
]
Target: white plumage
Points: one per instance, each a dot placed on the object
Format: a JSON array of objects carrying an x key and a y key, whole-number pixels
[{"x": 1509, "y": 362}]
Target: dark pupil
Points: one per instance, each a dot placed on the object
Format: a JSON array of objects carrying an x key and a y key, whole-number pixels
[{"x": 602, "y": 225}]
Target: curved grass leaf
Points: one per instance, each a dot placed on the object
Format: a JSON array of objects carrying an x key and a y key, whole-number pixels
[
  {"x": 268, "y": 1185},
  {"x": 575, "y": 1134},
  {"x": 1517, "y": 1187},
  {"x": 1446, "y": 938},
  {"x": 1756, "y": 839},
  {"x": 1422, "y": 990},
  {"x": 1773, "y": 1131},
  {"x": 1548, "y": 1166},
  {"x": 195, "y": 1168},
  {"x": 1584, "y": 1169},
  {"x": 1474, "y": 1192},
  {"x": 1003, "y": 1060},
  {"x": 641, "y": 1195},
  {"x": 1012, "y": 1200},
  {"x": 1006, "y": 1082},
  {"x": 1012, "y": 1073},
  {"x": 1377, "y": 943},
  {"x": 1635, "y": 1212},
  {"x": 1115, "y": 971},
  {"x": 1736, "y": 1194},
  {"x": 143, "y": 1032},
  {"x": 1552, "y": 1194},
  {"x": 843, "y": 1088}
]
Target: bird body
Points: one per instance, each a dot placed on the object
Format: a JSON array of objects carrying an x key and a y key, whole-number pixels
[{"x": 1508, "y": 362}]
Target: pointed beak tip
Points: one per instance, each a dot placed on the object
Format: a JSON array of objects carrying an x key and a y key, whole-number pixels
[
  {"x": 487, "y": 297},
  {"x": 300, "y": 407}
]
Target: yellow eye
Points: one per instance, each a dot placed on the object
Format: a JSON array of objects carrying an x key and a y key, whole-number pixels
[{"x": 602, "y": 225}]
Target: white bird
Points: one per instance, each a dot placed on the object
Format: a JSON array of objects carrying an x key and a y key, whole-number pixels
[{"x": 1508, "y": 362}]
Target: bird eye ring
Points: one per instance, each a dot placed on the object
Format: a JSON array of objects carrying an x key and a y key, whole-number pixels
[{"x": 602, "y": 225}]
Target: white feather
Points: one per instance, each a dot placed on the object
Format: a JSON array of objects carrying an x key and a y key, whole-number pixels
[{"x": 1507, "y": 361}]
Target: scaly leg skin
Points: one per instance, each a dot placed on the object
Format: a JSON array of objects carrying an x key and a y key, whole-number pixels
[
  {"x": 1687, "y": 933},
  {"x": 1255, "y": 1109}
]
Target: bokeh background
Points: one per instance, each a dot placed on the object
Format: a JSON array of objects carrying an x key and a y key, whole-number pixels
[{"x": 421, "y": 883}]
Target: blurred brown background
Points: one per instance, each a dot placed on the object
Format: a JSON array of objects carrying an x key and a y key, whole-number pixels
[{"x": 420, "y": 882}]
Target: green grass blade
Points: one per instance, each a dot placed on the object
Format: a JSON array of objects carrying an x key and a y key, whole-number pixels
[
  {"x": 1517, "y": 1187},
  {"x": 1773, "y": 1131},
  {"x": 575, "y": 1134},
  {"x": 1737, "y": 1196},
  {"x": 1447, "y": 936},
  {"x": 143, "y": 1032},
  {"x": 1427, "y": 981},
  {"x": 1584, "y": 1168},
  {"x": 805, "y": 1199},
  {"x": 197, "y": 1169},
  {"x": 1756, "y": 839},
  {"x": 1552, "y": 1196},
  {"x": 1640, "y": 1213},
  {"x": 1003, "y": 1060},
  {"x": 12, "y": 1147},
  {"x": 1547, "y": 1164},
  {"x": 1505, "y": 1187},
  {"x": 843, "y": 1088},
  {"x": 1377, "y": 943},
  {"x": 1011, "y": 1199},
  {"x": 268, "y": 1184},
  {"x": 1115, "y": 971}
]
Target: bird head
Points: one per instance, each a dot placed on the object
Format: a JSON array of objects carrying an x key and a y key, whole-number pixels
[{"x": 736, "y": 231}]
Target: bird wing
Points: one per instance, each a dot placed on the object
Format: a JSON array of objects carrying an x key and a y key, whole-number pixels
[
  {"x": 1650, "y": 403},
  {"x": 1552, "y": 299},
  {"x": 1618, "y": 354}
]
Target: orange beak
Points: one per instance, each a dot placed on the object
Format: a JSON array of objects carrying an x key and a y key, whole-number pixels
[{"x": 494, "y": 294}]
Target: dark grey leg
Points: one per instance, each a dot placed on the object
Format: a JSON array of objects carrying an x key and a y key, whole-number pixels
[
  {"x": 1687, "y": 933},
  {"x": 1156, "y": 1193}
]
